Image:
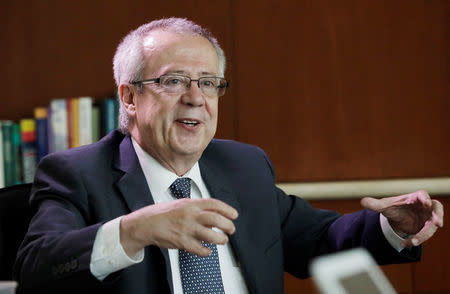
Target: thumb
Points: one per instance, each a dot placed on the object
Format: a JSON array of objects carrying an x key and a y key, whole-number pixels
[{"x": 374, "y": 204}]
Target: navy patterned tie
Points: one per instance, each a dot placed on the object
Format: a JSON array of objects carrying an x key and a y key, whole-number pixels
[{"x": 198, "y": 274}]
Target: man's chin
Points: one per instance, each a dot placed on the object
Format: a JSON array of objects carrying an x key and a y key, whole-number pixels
[{"x": 187, "y": 148}]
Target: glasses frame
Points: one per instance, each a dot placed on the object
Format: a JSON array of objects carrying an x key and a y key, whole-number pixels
[{"x": 188, "y": 86}]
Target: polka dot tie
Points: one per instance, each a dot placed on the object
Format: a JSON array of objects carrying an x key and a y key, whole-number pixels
[{"x": 198, "y": 274}]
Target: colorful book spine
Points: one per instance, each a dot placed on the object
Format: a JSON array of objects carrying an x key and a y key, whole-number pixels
[
  {"x": 29, "y": 152},
  {"x": 50, "y": 137},
  {"x": 85, "y": 120},
  {"x": 40, "y": 116},
  {"x": 74, "y": 122},
  {"x": 17, "y": 154},
  {"x": 95, "y": 123},
  {"x": 2, "y": 172},
  {"x": 8, "y": 152},
  {"x": 59, "y": 124},
  {"x": 109, "y": 111}
]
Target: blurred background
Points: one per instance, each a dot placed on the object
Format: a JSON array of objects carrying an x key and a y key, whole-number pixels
[{"x": 331, "y": 90}]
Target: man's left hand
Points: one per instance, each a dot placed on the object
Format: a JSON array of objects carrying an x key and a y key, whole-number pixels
[{"x": 415, "y": 215}]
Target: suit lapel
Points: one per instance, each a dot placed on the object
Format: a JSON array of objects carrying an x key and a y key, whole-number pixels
[
  {"x": 220, "y": 188},
  {"x": 134, "y": 187}
]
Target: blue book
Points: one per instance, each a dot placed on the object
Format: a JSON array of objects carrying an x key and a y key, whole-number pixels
[
  {"x": 40, "y": 116},
  {"x": 109, "y": 115},
  {"x": 50, "y": 139}
]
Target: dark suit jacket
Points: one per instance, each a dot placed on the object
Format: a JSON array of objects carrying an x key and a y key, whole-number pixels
[{"x": 78, "y": 190}]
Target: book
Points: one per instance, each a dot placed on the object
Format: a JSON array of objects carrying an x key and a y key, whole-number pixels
[
  {"x": 95, "y": 123},
  {"x": 73, "y": 123},
  {"x": 29, "y": 152},
  {"x": 50, "y": 137},
  {"x": 58, "y": 124},
  {"x": 16, "y": 154},
  {"x": 40, "y": 116},
  {"x": 109, "y": 109},
  {"x": 85, "y": 120},
  {"x": 7, "y": 153}
]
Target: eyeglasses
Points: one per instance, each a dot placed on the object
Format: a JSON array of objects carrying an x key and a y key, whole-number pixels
[{"x": 180, "y": 84}]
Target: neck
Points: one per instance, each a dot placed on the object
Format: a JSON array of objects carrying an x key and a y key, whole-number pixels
[{"x": 179, "y": 164}]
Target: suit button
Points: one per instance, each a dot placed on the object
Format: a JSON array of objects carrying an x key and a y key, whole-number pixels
[
  {"x": 60, "y": 268},
  {"x": 55, "y": 270},
  {"x": 67, "y": 267},
  {"x": 73, "y": 264}
]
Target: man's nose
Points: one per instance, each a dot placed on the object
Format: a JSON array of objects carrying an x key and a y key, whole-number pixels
[{"x": 194, "y": 95}]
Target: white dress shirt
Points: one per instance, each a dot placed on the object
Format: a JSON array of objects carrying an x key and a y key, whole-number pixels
[{"x": 108, "y": 255}]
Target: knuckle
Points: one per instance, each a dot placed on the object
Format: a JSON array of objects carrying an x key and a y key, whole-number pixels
[{"x": 422, "y": 193}]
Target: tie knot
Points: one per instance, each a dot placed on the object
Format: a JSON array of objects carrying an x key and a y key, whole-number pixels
[{"x": 181, "y": 188}]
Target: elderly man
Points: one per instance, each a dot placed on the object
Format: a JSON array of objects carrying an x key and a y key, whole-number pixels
[{"x": 161, "y": 207}]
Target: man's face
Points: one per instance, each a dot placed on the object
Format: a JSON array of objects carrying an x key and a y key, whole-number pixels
[{"x": 163, "y": 122}]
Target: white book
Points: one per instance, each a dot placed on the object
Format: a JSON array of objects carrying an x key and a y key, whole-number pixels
[
  {"x": 59, "y": 124},
  {"x": 2, "y": 168},
  {"x": 85, "y": 121}
]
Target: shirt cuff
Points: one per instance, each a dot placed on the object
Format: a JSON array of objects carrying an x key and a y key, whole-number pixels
[
  {"x": 391, "y": 236},
  {"x": 108, "y": 255}
]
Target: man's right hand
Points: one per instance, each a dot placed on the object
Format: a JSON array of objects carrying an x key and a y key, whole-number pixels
[{"x": 180, "y": 224}]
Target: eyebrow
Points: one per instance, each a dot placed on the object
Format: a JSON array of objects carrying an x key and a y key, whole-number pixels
[{"x": 203, "y": 73}]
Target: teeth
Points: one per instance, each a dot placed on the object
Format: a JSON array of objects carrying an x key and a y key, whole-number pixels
[{"x": 189, "y": 122}]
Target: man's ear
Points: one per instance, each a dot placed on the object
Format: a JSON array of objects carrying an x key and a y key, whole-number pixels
[{"x": 128, "y": 98}]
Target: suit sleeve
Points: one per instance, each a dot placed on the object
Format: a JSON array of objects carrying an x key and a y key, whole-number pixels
[
  {"x": 56, "y": 251},
  {"x": 308, "y": 232}
]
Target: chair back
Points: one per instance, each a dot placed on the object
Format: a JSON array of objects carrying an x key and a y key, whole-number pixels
[{"x": 15, "y": 216}]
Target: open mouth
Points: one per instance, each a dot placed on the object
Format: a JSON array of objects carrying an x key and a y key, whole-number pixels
[{"x": 189, "y": 122}]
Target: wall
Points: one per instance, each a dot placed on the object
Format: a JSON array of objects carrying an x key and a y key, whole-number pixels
[{"x": 331, "y": 90}]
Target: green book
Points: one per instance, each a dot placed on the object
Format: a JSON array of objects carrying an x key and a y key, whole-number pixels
[
  {"x": 95, "y": 123},
  {"x": 16, "y": 154},
  {"x": 8, "y": 164}
]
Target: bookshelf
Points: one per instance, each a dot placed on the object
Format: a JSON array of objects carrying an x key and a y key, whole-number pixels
[{"x": 65, "y": 123}]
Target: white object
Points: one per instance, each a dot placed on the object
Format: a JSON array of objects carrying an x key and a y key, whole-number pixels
[
  {"x": 59, "y": 125},
  {"x": 85, "y": 120},
  {"x": 8, "y": 287},
  {"x": 373, "y": 188},
  {"x": 349, "y": 272}
]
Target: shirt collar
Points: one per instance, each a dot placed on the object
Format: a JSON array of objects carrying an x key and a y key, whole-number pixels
[{"x": 158, "y": 177}]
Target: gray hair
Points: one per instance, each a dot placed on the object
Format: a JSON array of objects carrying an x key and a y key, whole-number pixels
[{"x": 129, "y": 61}]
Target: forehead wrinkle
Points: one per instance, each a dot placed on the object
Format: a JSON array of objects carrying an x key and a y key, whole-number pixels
[
  {"x": 183, "y": 72},
  {"x": 155, "y": 45}
]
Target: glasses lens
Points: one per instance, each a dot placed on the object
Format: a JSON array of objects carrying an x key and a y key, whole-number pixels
[
  {"x": 213, "y": 86},
  {"x": 222, "y": 86},
  {"x": 209, "y": 86},
  {"x": 174, "y": 83}
]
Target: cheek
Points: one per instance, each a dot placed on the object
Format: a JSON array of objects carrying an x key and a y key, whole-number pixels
[
  {"x": 150, "y": 112},
  {"x": 212, "y": 109}
]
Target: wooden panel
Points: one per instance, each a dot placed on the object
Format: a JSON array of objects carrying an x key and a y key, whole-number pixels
[
  {"x": 54, "y": 49},
  {"x": 345, "y": 89},
  {"x": 432, "y": 274}
]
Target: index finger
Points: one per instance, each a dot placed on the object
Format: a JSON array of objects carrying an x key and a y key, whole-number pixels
[
  {"x": 219, "y": 207},
  {"x": 382, "y": 204},
  {"x": 430, "y": 227}
]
